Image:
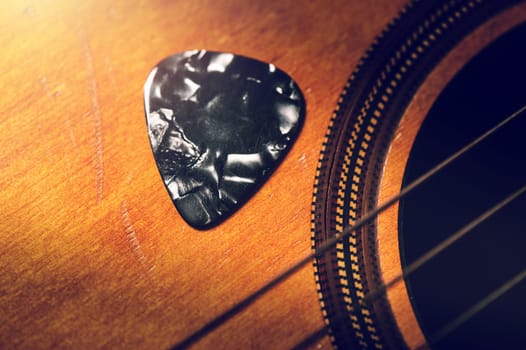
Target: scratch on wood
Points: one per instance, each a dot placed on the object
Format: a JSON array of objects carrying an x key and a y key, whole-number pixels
[
  {"x": 53, "y": 97},
  {"x": 109, "y": 68},
  {"x": 30, "y": 12},
  {"x": 72, "y": 137},
  {"x": 131, "y": 236},
  {"x": 303, "y": 160},
  {"x": 96, "y": 115}
]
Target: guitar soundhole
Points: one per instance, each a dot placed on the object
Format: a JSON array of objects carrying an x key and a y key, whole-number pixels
[
  {"x": 351, "y": 166},
  {"x": 488, "y": 89}
]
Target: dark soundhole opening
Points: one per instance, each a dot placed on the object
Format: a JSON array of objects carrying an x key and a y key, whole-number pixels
[{"x": 485, "y": 91}]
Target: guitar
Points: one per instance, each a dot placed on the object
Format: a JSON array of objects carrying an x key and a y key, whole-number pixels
[{"x": 94, "y": 253}]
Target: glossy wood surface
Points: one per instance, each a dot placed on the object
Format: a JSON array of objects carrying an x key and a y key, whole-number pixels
[{"x": 93, "y": 254}]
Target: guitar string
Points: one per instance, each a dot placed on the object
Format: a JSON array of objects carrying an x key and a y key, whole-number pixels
[
  {"x": 437, "y": 249},
  {"x": 440, "y": 247},
  {"x": 473, "y": 310},
  {"x": 331, "y": 242}
]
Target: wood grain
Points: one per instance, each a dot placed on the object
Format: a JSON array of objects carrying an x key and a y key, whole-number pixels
[{"x": 93, "y": 253}]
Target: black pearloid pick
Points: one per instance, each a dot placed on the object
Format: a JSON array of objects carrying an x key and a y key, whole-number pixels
[{"x": 219, "y": 124}]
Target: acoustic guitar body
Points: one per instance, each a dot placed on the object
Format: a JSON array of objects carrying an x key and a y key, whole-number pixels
[
  {"x": 440, "y": 76},
  {"x": 95, "y": 255}
]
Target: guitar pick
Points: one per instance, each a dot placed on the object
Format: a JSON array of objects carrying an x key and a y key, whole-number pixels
[{"x": 218, "y": 124}]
